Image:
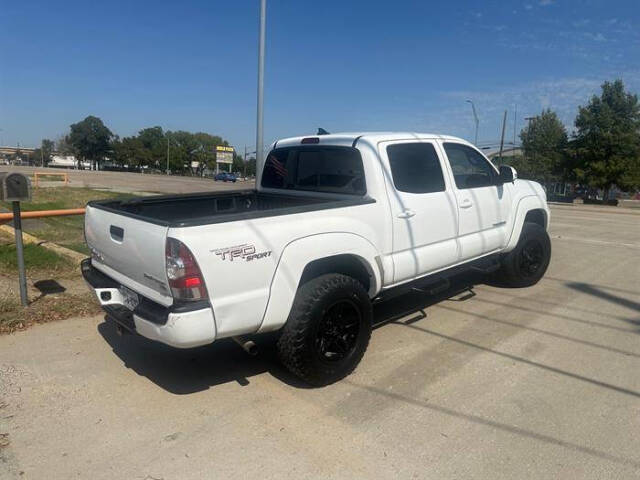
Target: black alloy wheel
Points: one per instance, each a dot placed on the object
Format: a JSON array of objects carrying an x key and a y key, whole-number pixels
[
  {"x": 338, "y": 331},
  {"x": 531, "y": 258}
]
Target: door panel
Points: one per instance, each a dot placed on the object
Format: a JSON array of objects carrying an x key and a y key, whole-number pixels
[
  {"x": 423, "y": 208},
  {"x": 482, "y": 205}
]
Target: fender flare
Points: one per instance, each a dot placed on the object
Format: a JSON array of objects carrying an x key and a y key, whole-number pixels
[
  {"x": 525, "y": 205},
  {"x": 301, "y": 252}
]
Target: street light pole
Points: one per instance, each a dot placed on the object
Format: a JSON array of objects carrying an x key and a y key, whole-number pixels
[
  {"x": 504, "y": 124},
  {"x": 475, "y": 117},
  {"x": 528, "y": 119},
  {"x": 167, "y": 153},
  {"x": 260, "y": 116},
  {"x": 515, "y": 119}
]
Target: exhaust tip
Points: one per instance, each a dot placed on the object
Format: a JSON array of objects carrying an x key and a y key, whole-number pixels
[
  {"x": 248, "y": 346},
  {"x": 251, "y": 348}
]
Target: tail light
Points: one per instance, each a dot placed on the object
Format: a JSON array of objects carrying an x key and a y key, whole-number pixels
[{"x": 185, "y": 277}]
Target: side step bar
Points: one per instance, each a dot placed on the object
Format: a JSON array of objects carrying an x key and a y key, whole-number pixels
[{"x": 439, "y": 282}]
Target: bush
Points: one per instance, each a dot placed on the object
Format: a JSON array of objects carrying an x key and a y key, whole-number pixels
[{"x": 593, "y": 201}]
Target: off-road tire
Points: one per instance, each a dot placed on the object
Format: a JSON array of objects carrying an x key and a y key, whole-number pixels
[
  {"x": 298, "y": 343},
  {"x": 514, "y": 271}
]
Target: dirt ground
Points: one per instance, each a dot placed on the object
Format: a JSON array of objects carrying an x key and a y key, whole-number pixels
[{"x": 500, "y": 384}]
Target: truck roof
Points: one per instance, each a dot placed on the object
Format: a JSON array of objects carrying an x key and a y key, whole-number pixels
[{"x": 349, "y": 138}]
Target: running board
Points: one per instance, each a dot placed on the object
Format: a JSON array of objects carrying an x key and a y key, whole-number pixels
[
  {"x": 439, "y": 282},
  {"x": 490, "y": 268},
  {"x": 433, "y": 289}
]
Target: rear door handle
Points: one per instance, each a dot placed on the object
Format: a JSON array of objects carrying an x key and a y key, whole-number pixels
[
  {"x": 466, "y": 203},
  {"x": 406, "y": 214}
]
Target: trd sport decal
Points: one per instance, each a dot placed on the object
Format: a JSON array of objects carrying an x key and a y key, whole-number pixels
[{"x": 246, "y": 252}]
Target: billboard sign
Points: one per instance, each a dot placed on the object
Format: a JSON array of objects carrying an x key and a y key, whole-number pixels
[{"x": 224, "y": 154}]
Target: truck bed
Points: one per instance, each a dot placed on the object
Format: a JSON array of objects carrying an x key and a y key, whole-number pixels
[{"x": 206, "y": 208}]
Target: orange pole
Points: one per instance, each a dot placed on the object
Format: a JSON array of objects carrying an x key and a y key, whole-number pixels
[{"x": 7, "y": 217}]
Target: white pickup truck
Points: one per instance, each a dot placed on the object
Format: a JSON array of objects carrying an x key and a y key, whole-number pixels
[{"x": 335, "y": 223}]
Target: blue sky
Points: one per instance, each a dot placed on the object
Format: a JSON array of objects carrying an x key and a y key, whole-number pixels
[{"x": 343, "y": 65}]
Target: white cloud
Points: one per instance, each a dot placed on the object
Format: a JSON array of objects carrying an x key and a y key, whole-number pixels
[
  {"x": 562, "y": 95},
  {"x": 580, "y": 23}
]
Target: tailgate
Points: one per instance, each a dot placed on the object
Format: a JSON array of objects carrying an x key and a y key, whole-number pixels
[{"x": 129, "y": 250}]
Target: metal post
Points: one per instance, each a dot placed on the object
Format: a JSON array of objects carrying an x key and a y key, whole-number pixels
[
  {"x": 515, "y": 119},
  {"x": 167, "y": 154},
  {"x": 245, "y": 161},
  {"x": 22, "y": 277},
  {"x": 475, "y": 118},
  {"x": 504, "y": 124},
  {"x": 260, "y": 117},
  {"x": 529, "y": 119}
]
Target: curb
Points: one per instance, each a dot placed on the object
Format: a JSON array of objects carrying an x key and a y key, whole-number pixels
[{"x": 74, "y": 256}]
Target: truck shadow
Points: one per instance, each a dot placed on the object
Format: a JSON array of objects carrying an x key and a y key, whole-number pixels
[
  {"x": 183, "y": 372},
  {"x": 193, "y": 370}
]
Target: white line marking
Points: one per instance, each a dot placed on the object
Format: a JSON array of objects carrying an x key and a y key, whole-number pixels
[{"x": 596, "y": 242}]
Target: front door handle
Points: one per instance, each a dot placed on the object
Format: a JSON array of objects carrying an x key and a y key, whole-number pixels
[
  {"x": 466, "y": 203},
  {"x": 406, "y": 214}
]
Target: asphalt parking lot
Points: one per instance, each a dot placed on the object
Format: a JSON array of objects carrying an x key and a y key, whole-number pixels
[
  {"x": 133, "y": 182},
  {"x": 492, "y": 383}
]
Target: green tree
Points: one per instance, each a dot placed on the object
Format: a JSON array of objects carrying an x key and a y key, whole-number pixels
[
  {"x": 607, "y": 139},
  {"x": 91, "y": 139},
  {"x": 187, "y": 147},
  {"x": 182, "y": 151},
  {"x": 130, "y": 151},
  {"x": 544, "y": 142},
  {"x": 63, "y": 146},
  {"x": 238, "y": 163},
  {"x": 46, "y": 152},
  {"x": 154, "y": 143}
]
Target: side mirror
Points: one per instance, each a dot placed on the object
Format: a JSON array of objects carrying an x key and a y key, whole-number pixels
[{"x": 507, "y": 174}]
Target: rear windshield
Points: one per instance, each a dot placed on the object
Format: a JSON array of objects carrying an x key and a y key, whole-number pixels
[{"x": 315, "y": 168}]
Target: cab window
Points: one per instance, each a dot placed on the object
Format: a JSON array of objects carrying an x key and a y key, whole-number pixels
[
  {"x": 470, "y": 169},
  {"x": 415, "y": 167}
]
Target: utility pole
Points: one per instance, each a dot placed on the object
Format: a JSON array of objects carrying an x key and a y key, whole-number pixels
[
  {"x": 504, "y": 124},
  {"x": 528, "y": 119},
  {"x": 515, "y": 117},
  {"x": 260, "y": 116},
  {"x": 246, "y": 160},
  {"x": 167, "y": 153},
  {"x": 475, "y": 117}
]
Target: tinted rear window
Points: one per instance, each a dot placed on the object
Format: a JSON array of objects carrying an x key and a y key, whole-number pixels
[
  {"x": 415, "y": 167},
  {"x": 315, "y": 168}
]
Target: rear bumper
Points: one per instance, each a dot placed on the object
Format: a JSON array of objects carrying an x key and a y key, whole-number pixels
[{"x": 182, "y": 325}]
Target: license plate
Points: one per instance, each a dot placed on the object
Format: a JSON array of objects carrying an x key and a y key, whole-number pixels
[{"x": 129, "y": 298}]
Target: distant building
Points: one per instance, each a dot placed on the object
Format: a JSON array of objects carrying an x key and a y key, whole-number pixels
[
  {"x": 14, "y": 150},
  {"x": 15, "y": 155}
]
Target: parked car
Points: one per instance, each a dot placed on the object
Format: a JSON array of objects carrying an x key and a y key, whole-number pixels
[
  {"x": 225, "y": 177},
  {"x": 336, "y": 223}
]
